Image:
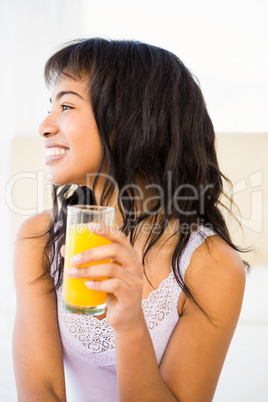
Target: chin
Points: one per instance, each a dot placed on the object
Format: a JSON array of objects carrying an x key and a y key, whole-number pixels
[
  {"x": 63, "y": 181},
  {"x": 58, "y": 180}
]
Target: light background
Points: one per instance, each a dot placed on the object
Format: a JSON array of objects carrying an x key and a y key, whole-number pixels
[{"x": 223, "y": 43}]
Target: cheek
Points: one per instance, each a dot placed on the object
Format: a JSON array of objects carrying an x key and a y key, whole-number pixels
[
  {"x": 90, "y": 153},
  {"x": 85, "y": 144}
]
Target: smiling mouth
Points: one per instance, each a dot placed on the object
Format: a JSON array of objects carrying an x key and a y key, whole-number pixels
[{"x": 56, "y": 151}]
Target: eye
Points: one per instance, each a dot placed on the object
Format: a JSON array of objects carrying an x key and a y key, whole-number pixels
[{"x": 66, "y": 107}]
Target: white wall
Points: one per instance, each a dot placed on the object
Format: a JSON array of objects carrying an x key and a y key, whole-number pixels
[{"x": 223, "y": 43}]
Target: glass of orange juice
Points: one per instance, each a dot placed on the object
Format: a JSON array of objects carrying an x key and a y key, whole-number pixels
[{"x": 77, "y": 298}]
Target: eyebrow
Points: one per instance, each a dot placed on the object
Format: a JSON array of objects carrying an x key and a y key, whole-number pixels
[{"x": 62, "y": 93}]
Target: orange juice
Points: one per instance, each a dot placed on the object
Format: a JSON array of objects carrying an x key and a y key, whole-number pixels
[{"x": 77, "y": 297}]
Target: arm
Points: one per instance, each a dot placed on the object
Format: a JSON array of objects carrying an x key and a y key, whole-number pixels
[
  {"x": 197, "y": 349},
  {"x": 192, "y": 362},
  {"x": 37, "y": 350}
]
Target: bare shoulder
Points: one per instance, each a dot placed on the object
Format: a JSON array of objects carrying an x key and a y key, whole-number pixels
[
  {"x": 215, "y": 257},
  {"x": 29, "y": 247},
  {"x": 34, "y": 226},
  {"x": 217, "y": 254},
  {"x": 217, "y": 276}
]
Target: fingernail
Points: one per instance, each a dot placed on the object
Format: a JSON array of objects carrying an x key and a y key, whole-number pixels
[
  {"x": 76, "y": 258},
  {"x": 72, "y": 271},
  {"x": 90, "y": 284}
]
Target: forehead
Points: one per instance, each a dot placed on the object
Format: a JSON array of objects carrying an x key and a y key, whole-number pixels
[{"x": 67, "y": 83}]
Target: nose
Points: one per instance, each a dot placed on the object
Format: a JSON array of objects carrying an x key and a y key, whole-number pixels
[{"x": 48, "y": 127}]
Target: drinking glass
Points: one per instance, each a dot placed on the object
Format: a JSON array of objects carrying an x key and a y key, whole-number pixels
[{"x": 77, "y": 298}]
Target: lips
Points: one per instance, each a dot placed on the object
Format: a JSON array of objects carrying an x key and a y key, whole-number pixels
[{"x": 54, "y": 152}]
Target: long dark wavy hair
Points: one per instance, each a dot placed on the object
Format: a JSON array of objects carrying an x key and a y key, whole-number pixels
[{"x": 154, "y": 127}]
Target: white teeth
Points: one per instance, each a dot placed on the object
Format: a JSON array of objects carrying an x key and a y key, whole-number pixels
[{"x": 55, "y": 151}]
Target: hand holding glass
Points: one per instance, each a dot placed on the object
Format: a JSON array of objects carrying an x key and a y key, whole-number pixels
[{"x": 76, "y": 296}]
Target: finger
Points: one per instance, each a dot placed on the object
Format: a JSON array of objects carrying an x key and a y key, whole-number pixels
[
  {"x": 113, "y": 251},
  {"x": 113, "y": 286},
  {"x": 104, "y": 272},
  {"x": 62, "y": 251}
]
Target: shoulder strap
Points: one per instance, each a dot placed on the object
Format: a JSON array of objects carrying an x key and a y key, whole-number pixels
[{"x": 196, "y": 239}]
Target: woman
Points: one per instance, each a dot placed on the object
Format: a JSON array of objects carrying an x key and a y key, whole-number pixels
[{"x": 129, "y": 127}]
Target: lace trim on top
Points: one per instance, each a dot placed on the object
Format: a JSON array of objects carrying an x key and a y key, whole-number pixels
[{"x": 93, "y": 340}]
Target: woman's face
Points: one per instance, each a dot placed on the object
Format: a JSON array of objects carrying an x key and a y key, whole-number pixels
[{"x": 71, "y": 137}]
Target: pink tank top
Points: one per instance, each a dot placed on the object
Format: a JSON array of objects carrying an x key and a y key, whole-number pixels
[{"x": 89, "y": 345}]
